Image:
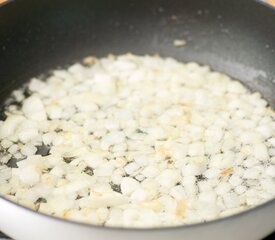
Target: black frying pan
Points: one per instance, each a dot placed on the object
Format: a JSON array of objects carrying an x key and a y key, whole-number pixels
[{"x": 236, "y": 37}]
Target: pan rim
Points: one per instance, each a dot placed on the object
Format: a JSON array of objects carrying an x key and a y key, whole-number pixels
[{"x": 149, "y": 229}]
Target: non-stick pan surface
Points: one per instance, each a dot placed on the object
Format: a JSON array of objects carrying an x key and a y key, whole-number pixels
[{"x": 235, "y": 37}]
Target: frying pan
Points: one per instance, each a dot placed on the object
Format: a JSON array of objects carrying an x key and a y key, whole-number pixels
[{"x": 235, "y": 37}]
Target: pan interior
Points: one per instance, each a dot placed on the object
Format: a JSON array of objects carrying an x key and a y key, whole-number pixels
[{"x": 236, "y": 38}]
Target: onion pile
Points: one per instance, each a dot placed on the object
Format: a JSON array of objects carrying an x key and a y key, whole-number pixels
[{"x": 137, "y": 141}]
